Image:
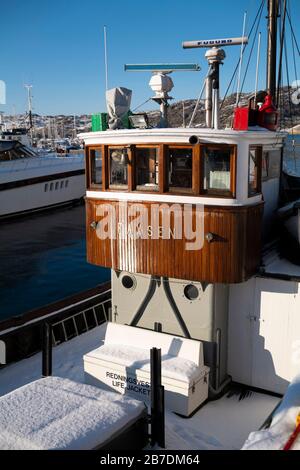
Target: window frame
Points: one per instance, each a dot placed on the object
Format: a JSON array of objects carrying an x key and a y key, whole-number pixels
[
  {"x": 141, "y": 188},
  {"x": 89, "y": 150},
  {"x": 258, "y": 173},
  {"x": 119, "y": 187},
  {"x": 175, "y": 189},
  {"x": 228, "y": 194}
]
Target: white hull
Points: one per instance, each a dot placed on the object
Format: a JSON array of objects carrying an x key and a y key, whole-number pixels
[
  {"x": 38, "y": 183},
  {"x": 34, "y": 197}
]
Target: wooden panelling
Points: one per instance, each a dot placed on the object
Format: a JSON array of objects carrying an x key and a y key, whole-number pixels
[{"x": 232, "y": 256}]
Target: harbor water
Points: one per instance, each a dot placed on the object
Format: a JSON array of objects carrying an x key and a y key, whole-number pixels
[
  {"x": 291, "y": 160},
  {"x": 43, "y": 259}
]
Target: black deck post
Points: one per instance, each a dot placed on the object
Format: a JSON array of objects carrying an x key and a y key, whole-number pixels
[
  {"x": 157, "y": 400},
  {"x": 47, "y": 350}
]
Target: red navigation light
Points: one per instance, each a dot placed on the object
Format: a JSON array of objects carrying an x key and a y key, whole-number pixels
[{"x": 268, "y": 114}]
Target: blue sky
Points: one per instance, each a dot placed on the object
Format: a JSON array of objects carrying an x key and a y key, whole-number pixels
[{"x": 57, "y": 46}]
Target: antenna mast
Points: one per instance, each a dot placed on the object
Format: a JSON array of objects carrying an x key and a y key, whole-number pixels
[
  {"x": 241, "y": 62},
  {"x": 272, "y": 47},
  {"x": 257, "y": 67},
  {"x": 215, "y": 56},
  {"x": 105, "y": 59}
]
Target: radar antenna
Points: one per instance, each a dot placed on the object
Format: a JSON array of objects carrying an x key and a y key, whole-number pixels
[{"x": 161, "y": 83}]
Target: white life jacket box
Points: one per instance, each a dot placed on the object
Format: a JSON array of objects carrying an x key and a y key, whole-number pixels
[{"x": 123, "y": 364}]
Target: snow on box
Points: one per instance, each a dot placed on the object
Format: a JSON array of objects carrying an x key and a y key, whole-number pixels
[
  {"x": 57, "y": 413},
  {"x": 126, "y": 368},
  {"x": 137, "y": 358}
]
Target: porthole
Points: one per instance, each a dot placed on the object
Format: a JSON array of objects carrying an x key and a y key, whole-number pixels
[
  {"x": 51, "y": 186},
  {"x": 56, "y": 185},
  {"x": 66, "y": 183},
  {"x": 191, "y": 292},
  {"x": 61, "y": 184},
  {"x": 128, "y": 282},
  {"x": 46, "y": 187}
]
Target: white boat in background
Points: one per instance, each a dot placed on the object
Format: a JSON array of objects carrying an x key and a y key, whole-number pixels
[{"x": 32, "y": 182}]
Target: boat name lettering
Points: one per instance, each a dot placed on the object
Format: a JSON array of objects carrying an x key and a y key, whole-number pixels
[{"x": 160, "y": 221}]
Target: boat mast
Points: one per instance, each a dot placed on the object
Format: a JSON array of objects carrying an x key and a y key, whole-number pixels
[
  {"x": 272, "y": 46},
  {"x": 74, "y": 125},
  {"x": 29, "y": 97}
]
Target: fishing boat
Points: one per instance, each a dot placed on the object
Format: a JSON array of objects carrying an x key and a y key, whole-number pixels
[{"x": 186, "y": 219}]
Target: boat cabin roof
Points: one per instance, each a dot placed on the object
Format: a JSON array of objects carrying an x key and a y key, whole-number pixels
[{"x": 254, "y": 136}]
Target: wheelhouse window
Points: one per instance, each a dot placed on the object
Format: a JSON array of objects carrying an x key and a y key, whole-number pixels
[
  {"x": 96, "y": 166},
  {"x": 271, "y": 161},
  {"x": 254, "y": 171},
  {"x": 146, "y": 167},
  {"x": 202, "y": 169},
  {"x": 218, "y": 169},
  {"x": 180, "y": 169},
  {"x": 118, "y": 167}
]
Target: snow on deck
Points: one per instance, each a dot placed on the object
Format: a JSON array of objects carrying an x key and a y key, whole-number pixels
[{"x": 221, "y": 424}]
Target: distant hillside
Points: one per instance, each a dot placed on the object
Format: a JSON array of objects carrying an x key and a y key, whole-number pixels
[
  {"x": 187, "y": 106},
  {"x": 65, "y": 125}
]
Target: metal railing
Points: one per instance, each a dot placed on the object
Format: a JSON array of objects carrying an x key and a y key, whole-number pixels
[{"x": 81, "y": 322}]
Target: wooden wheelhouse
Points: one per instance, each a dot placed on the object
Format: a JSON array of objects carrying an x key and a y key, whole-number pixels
[{"x": 161, "y": 170}]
